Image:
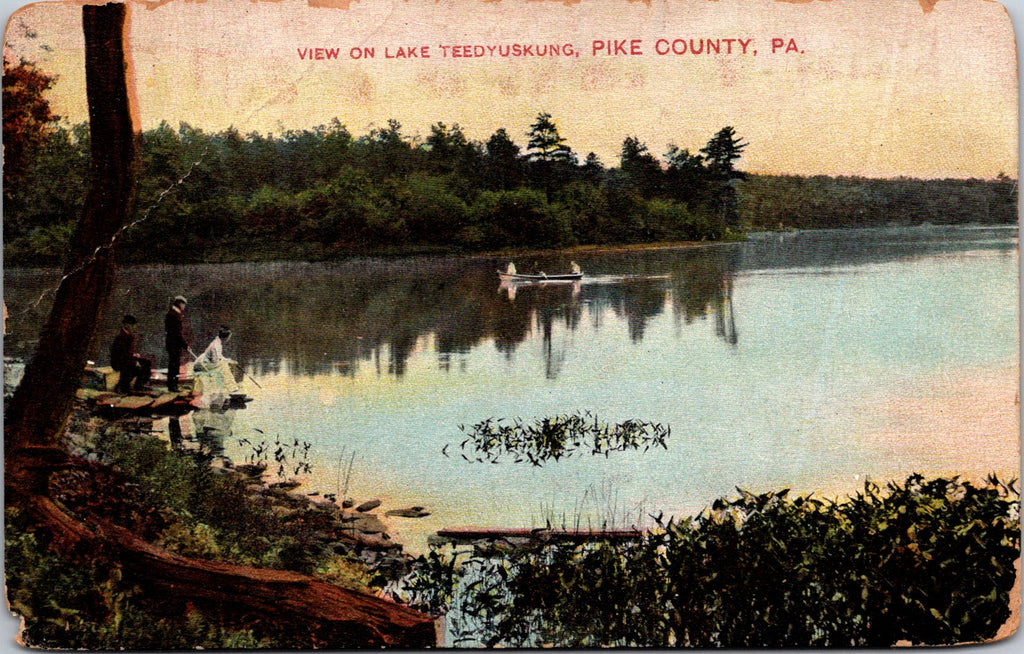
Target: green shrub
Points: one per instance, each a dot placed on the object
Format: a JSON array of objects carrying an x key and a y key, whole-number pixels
[
  {"x": 929, "y": 562},
  {"x": 86, "y": 604},
  {"x": 212, "y": 513}
]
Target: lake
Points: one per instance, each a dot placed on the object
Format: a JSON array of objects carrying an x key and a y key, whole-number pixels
[{"x": 804, "y": 360}]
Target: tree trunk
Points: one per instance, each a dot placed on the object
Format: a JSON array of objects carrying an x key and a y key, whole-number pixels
[
  {"x": 40, "y": 409},
  {"x": 43, "y": 402}
]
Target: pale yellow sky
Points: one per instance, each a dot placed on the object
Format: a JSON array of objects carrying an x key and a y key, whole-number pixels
[{"x": 873, "y": 87}]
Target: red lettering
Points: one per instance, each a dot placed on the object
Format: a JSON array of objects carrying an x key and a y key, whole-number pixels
[
  {"x": 409, "y": 52},
  {"x": 616, "y": 47}
]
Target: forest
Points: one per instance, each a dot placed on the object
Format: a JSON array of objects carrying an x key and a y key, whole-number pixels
[{"x": 325, "y": 193}]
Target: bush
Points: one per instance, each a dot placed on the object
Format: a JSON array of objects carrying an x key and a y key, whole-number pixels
[
  {"x": 929, "y": 562},
  {"x": 86, "y": 604},
  {"x": 174, "y": 499},
  {"x": 212, "y": 514}
]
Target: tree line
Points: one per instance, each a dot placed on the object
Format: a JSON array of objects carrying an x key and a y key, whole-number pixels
[
  {"x": 324, "y": 192},
  {"x": 791, "y": 201}
]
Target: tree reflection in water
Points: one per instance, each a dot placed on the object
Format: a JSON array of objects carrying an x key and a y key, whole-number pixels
[{"x": 339, "y": 317}]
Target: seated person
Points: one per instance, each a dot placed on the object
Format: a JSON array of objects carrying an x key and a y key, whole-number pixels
[
  {"x": 131, "y": 366},
  {"x": 214, "y": 378}
]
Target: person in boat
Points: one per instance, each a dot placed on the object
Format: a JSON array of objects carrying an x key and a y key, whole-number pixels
[
  {"x": 133, "y": 369},
  {"x": 511, "y": 269},
  {"x": 575, "y": 268},
  {"x": 214, "y": 378},
  {"x": 176, "y": 341}
]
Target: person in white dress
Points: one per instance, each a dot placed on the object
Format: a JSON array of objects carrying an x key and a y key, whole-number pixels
[{"x": 214, "y": 378}]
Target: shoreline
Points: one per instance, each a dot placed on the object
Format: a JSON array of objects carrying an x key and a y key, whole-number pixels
[{"x": 282, "y": 256}]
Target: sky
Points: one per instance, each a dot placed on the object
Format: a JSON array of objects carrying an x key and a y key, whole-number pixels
[{"x": 878, "y": 88}]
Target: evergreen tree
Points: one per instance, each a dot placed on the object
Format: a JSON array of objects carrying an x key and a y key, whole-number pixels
[
  {"x": 592, "y": 170},
  {"x": 504, "y": 166},
  {"x": 721, "y": 151},
  {"x": 546, "y": 144},
  {"x": 641, "y": 170},
  {"x": 686, "y": 179}
]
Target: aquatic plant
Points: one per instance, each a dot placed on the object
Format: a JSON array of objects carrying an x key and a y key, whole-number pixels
[
  {"x": 929, "y": 562},
  {"x": 495, "y": 439},
  {"x": 288, "y": 455}
]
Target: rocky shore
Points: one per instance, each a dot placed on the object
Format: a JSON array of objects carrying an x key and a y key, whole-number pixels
[
  {"x": 343, "y": 528},
  {"x": 355, "y": 531}
]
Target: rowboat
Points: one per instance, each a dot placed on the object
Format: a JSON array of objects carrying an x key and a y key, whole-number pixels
[{"x": 515, "y": 277}]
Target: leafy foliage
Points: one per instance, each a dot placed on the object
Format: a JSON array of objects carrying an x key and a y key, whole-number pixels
[
  {"x": 27, "y": 116},
  {"x": 323, "y": 193},
  {"x": 928, "y": 561},
  {"x": 553, "y": 438},
  {"x": 89, "y": 605},
  {"x": 791, "y": 201},
  {"x": 174, "y": 499}
]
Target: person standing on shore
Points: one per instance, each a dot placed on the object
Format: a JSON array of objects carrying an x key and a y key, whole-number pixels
[{"x": 176, "y": 340}]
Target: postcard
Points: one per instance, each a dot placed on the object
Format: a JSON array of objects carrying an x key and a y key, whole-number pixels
[{"x": 408, "y": 324}]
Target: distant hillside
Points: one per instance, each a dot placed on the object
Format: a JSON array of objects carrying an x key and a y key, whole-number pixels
[{"x": 780, "y": 201}]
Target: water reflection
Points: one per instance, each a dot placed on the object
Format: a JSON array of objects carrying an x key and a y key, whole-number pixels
[
  {"x": 342, "y": 317},
  {"x": 337, "y": 318},
  {"x": 203, "y": 431}
]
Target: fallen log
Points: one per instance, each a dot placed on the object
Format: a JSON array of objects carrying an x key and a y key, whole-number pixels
[
  {"x": 458, "y": 534},
  {"x": 331, "y": 616}
]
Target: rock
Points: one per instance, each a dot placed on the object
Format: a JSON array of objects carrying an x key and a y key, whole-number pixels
[
  {"x": 368, "y": 506},
  {"x": 339, "y": 547},
  {"x": 251, "y": 470},
  {"x": 299, "y": 499},
  {"x": 347, "y": 504},
  {"x": 393, "y": 563},
  {"x": 283, "y": 511},
  {"x": 411, "y": 512},
  {"x": 369, "y": 524},
  {"x": 327, "y": 507},
  {"x": 376, "y": 542},
  {"x": 287, "y": 485}
]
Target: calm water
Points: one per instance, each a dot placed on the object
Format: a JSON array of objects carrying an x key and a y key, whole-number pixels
[{"x": 804, "y": 360}]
